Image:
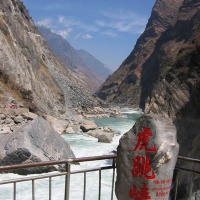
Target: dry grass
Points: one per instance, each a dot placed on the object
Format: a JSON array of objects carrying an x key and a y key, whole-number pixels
[{"x": 10, "y": 90}]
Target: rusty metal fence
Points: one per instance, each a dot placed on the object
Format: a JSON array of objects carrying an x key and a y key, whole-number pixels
[
  {"x": 184, "y": 167},
  {"x": 68, "y": 172}
]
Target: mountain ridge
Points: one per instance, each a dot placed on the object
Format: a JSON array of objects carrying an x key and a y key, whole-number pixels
[
  {"x": 89, "y": 69},
  {"x": 123, "y": 86},
  {"x": 166, "y": 81},
  {"x": 30, "y": 73}
]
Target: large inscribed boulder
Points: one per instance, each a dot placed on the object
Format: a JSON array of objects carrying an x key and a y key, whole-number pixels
[
  {"x": 146, "y": 157},
  {"x": 34, "y": 142}
]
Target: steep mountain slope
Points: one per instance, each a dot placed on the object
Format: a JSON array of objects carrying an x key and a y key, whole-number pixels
[
  {"x": 94, "y": 64},
  {"x": 123, "y": 86},
  {"x": 29, "y": 72},
  {"x": 174, "y": 91},
  {"x": 171, "y": 85},
  {"x": 91, "y": 71},
  {"x": 175, "y": 59},
  {"x": 163, "y": 77}
]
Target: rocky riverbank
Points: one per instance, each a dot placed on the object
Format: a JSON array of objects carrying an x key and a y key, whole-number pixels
[
  {"x": 12, "y": 119},
  {"x": 100, "y": 112},
  {"x": 26, "y": 137},
  {"x": 35, "y": 141}
]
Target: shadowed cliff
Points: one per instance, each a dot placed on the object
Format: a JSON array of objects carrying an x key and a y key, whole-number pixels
[{"x": 123, "y": 86}]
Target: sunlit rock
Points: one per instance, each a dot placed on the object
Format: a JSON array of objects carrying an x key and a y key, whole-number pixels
[
  {"x": 34, "y": 142},
  {"x": 146, "y": 157}
]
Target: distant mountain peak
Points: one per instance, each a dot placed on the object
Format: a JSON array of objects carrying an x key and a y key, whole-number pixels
[{"x": 89, "y": 69}]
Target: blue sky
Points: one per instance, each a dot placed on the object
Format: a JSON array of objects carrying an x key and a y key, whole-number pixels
[{"x": 108, "y": 29}]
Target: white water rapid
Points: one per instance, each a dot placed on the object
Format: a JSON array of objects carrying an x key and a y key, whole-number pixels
[{"x": 82, "y": 145}]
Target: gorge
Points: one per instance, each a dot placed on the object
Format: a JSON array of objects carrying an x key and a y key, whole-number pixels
[{"x": 160, "y": 76}]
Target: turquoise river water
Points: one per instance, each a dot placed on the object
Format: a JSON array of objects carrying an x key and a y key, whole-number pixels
[{"x": 82, "y": 145}]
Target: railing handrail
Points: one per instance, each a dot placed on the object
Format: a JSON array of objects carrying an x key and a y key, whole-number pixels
[
  {"x": 36, "y": 177},
  {"x": 57, "y": 162},
  {"x": 189, "y": 159},
  {"x": 68, "y": 172},
  {"x": 74, "y": 160}
]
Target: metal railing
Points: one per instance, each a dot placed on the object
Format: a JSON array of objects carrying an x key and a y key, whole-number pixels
[
  {"x": 188, "y": 170},
  {"x": 68, "y": 172}
]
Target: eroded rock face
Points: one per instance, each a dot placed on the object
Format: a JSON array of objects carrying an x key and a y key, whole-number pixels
[
  {"x": 146, "y": 159},
  {"x": 30, "y": 72},
  {"x": 171, "y": 87},
  {"x": 123, "y": 86},
  {"x": 34, "y": 142}
]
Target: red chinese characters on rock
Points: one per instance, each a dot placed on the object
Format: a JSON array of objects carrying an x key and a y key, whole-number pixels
[
  {"x": 162, "y": 187},
  {"x": 168, "y": 181},
  {"x": 143, "y": 141},
  {"x": 141, "y": 165},
  {"x": 142, "y": 194}
]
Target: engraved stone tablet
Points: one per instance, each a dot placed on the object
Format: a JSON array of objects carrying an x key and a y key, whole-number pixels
[{"x": 146, "y": 157}]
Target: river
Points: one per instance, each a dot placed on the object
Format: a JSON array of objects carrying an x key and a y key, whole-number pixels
[{"x": 82, "y": 145}]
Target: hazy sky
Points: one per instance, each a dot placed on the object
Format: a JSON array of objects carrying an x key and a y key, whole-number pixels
[{"x": 108, "y": 29}]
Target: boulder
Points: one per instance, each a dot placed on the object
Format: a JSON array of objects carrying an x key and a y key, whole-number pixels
[
  {"x": 101, "y": 135},
  {"x": 70, "y": 130},
  {"x": 107, "y": 129},
  {"x": 36, "y": 141},
  {"x": 95, "y": 133},
  {"x": 29, "y": 115},
  {"x": 2, "y": 122},
  {"x": 5, "y": 130},
  {"x": 88, "y": 125},
  {"x": 59, "y": 125},
  {"x": 14, "y": 128},
  {"x": 2, "y": 116},
  {"x": 18, "y": 119},
  {"x": 8, "y": 120},
  {"x": 105, "y": 138},
  {"x": 146, "y": 157}
]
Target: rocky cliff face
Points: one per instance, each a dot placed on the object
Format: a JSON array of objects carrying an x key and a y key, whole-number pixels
[
  {"x": 97, "y": 67},
  {"x": 85, "y": 66},
  {"x": 174, "y": 82},
  {"x": 165, "y": 68},
  {"x": 169, "y": 82},
  {"x": 174, "y": 92},
  {"x": 29, "y": 72},
  {"x": 124, "y": 85}
]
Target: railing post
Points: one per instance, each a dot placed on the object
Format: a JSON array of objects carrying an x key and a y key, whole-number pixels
[
  {"x": 49, "y": 188},
  {"x": 14, "y": 195},
  {"x": 113, "y": 178},
  {"x": 191, "y": 187},
  {"x": 67, "y": 181},
  {"x": 99, "y": 185},
  {"x": 176, "y": 184},
  {"x": 33, "y": 189},
  {"x": 84, "y": 189}
]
